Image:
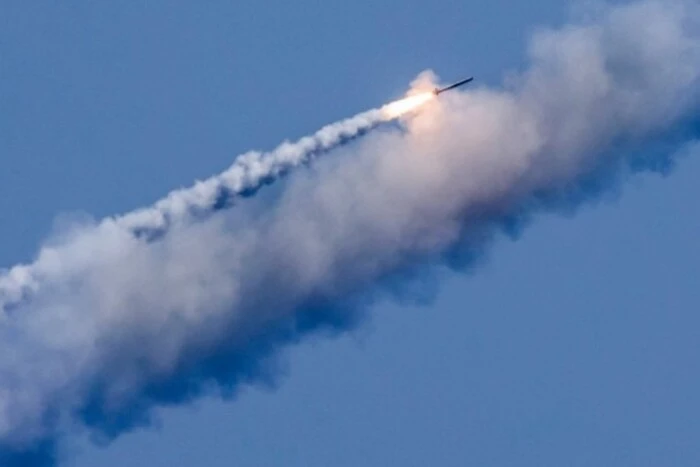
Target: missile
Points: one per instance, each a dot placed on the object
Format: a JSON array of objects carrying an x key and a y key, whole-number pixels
[{"x": 438, "y": 91}]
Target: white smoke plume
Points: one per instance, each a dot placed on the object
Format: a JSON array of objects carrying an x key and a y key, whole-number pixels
[
  {"x": 116, "y": 325},
  {"x": 248, "y": 172}
]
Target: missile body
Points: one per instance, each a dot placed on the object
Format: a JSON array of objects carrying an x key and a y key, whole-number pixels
[{"x": 438, "y": 91}]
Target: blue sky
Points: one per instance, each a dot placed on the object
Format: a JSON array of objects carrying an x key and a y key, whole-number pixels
[{"x": 575, "y": 345}]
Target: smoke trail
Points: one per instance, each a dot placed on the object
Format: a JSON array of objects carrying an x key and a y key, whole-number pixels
[
  {"x": 247, "y": 173},
  {"x": 245, "y": 176},
  {"x": 117, "y": 325}
]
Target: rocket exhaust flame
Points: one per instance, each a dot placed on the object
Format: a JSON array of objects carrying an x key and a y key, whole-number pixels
[
  {"x": 414, "y": 102},
  {"x": 404, "y": 106}
]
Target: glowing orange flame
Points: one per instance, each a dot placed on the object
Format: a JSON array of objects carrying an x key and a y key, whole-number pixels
[{"x": 401, "y": 107}]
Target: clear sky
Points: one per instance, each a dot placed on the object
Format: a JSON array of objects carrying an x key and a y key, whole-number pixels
[{"x": 576, "y": 345}]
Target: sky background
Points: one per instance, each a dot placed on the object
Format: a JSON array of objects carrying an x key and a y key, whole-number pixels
[{"x": 576, "y": 345}]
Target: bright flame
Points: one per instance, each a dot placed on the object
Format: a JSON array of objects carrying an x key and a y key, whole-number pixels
[{"x": 401, "y": 107}]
